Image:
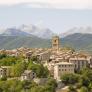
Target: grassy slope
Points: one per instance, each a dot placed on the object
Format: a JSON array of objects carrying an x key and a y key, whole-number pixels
[
  {"x": 77, "y": 41},
  {"x": 10, "y": 42}
]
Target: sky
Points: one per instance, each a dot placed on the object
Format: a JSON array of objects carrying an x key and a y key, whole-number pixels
[{"x": 57, "y": 15}]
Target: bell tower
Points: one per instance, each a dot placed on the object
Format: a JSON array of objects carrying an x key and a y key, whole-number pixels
[{"x": 55, "y": 43}]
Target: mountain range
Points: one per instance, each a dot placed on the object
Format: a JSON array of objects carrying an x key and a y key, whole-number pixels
[
  {"x": 40, "y": 32},
  {"x": 32, "y": 36},
  {"x": 14, "y": 32},
  {"x": 82, "y": 30},
  {"x": 25, "y": 30}
]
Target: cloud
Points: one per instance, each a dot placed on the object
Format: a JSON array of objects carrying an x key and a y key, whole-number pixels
[{"x": 59, "y": 4}]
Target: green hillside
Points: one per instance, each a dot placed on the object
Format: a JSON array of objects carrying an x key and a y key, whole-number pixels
[
  {"x": 76, "y": 41},
  {"x": 10, "y": 42}
]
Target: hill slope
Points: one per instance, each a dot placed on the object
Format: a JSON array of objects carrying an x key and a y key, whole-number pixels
[
  {"x": 77, "y": 41},
  {"x": 10, "y": 42}
]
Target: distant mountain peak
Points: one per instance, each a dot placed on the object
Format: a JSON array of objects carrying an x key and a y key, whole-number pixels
[
  {"x": 26, "y": 30},
  {"x": 14, "y": 32},
  {"x": 41, "y": 32},
  {"x": 82, "y": 30}
]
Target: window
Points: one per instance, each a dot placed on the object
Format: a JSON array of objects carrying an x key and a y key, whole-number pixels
[
  {"x": 59, "y": 69},
  {"x": 33, "y": 73},
  {"x": 82, "y": 62},
  {"x": 33, "y": 77},
  {"x": 55, "y": 40}
]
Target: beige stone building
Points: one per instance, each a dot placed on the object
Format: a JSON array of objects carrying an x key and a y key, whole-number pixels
[
  {"x": 55, "y": 43},
  {"x": 5, "y": 71},
  {"x": 89, "y": 58},
  {"x": 79, "y": 63},
  {"x": 44, "y": 56},
  {"x": 63, "y": 68},
  {"x": 2, "y": 73},
  {"x": 28, "y": 55},
  {"x": 50, "y": 67},
  {"x": 28, "y": 75}
]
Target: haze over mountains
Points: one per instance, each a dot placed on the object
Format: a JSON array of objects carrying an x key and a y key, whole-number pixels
[
  {"x": 79, "y": 38},
  {"x": 25, "y": 30},
  {"x": 46, "y": 33},
  {"x": 82, "y": 30},
  {"x": 14, "y": 32}
]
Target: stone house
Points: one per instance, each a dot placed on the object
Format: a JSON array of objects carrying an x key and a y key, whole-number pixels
[{"x": 28, "y": 75}]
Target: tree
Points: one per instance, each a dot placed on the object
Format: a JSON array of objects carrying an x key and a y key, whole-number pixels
[
  {"x": 34, "y": 58},
  {"x": 10, "y": 86},
  {"x": 84, "y": 81},
  {"x": 83, "y": 89},
  {"x": 86, "y": 72},
  {"x": 90, "y": 86},
  {"x": 2, "y": 56},
  {"x": 39, "y": 69},
  {"x": 9, "y": 61},
  {"x": 48, "y": 88},
  {"x": 36, "y": 89},
  {"x": 72, "y": 89},
  {"x": 69, "y": 78},
  {"x": 18, "y": 69},
  {"x": 1, "y": 90},
  {"x": 4, "y": 78},
  {"x": 51, "y": 84}
]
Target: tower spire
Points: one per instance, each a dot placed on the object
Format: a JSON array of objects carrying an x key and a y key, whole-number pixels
[{"x": 55, "y": 43}]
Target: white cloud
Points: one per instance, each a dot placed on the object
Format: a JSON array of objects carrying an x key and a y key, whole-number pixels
[{"x": 61, "y": 4}]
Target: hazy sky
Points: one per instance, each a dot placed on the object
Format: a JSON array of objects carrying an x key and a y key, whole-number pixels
[{"x": 58, "y": 15}]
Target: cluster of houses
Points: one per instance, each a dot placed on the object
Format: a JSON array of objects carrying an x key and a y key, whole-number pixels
[{"x": 58, "y": 61}]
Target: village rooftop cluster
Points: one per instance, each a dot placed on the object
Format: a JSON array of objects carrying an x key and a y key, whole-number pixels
[{"x": 58, "y": 60}]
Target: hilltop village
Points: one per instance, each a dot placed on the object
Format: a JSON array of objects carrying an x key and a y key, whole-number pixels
[{"x": 57, "y": 60}]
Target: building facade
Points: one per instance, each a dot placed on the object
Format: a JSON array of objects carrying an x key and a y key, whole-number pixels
[
  {"x": 5, "y": 71},
  {"x": 55, "y": 43},
  {"x": 44, "y": 57},
  {"x": 79, "y": 63},
  {"x": 63, "y": 68},
  {"x": 28, "y": 75}
]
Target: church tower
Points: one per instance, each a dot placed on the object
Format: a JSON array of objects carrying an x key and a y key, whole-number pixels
[{"x": 55, "y": 43}]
